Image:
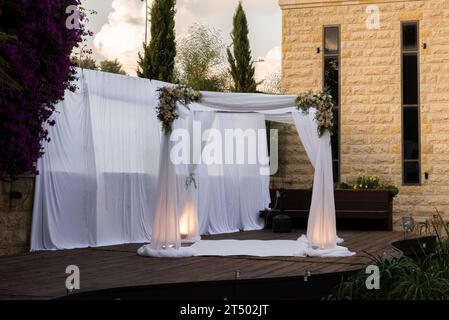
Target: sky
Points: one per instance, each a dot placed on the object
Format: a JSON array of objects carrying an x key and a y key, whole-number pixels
[{"x": 119, "y": 28}]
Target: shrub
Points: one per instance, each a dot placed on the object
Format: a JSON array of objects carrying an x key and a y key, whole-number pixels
[
  {"x": 38, "y": 60},
  {"x": 404, "y": 278}
]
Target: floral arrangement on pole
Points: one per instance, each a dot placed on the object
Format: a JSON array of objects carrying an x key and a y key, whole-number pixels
[
  {"x": 322, "y": 102},
  {"x": 167, "y": 111}
]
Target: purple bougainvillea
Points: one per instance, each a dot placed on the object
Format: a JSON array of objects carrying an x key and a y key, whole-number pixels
[{"x": 38, "y": 59}]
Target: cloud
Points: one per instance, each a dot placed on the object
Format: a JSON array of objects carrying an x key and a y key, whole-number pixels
[
  {"x": 122, "y": 35},
  {"x": 268, "y": 65}
]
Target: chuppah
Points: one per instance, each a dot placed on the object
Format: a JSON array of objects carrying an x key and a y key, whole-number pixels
[{"x": 108, "y": 178}]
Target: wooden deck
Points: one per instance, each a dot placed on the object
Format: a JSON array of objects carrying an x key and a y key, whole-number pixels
[{"x": 42, "y": 275}]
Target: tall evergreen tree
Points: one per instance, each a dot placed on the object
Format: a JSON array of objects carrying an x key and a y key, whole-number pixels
[
  {"x": 158, "y": 59},
  {"x": 241, "y": 64}
]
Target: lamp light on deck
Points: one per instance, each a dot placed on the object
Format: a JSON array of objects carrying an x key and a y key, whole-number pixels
[
  {"x": 183, "y": 229},
  {"x": 186, "y": 225}
]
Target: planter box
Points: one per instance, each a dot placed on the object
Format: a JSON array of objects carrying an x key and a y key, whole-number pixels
[{"x": 355, "y": 209}]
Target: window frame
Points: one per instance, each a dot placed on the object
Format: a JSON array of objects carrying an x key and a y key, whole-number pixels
[
  {"x": 323, "y": 61},
  {"x": 404, "y": 106}
]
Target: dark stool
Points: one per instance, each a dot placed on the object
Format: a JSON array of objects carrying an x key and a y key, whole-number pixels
[{"x": 282, "y": 223}]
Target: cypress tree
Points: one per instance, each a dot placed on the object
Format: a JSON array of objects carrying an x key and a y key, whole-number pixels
[
  {"x": 241, "y": 64},
  {"x": 158, "y": 60}
]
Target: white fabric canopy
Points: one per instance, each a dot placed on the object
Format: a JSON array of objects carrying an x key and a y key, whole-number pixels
[
  {"x": 246, "y": 102},
  {"x": 106, "y": 177}
]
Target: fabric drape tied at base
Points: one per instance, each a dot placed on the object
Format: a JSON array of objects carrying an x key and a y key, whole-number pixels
[{"x": 321, "y": 226}]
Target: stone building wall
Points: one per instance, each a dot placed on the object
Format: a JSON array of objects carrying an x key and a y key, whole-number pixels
[
  {"x": 371, "y": 93},
  {"x": 15, "y": 215}
]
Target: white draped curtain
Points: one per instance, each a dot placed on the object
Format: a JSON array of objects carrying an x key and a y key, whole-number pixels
[
  {"x": 65, "y": 203},
  {"x": 98, "y": 178},
  {"x": 321, "y": 227},
  {"x": 233, "y": 194},
  {"x": 176, "y": 212}
]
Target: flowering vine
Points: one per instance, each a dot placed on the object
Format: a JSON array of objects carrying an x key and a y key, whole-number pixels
[
  {"x": 322, "y": 102},
  {"x": 36, "y": 58},
  {"x": 167, "y": 111}
]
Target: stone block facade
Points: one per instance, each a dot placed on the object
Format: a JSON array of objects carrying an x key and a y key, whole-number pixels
[
  {"x": 370, "y": 103},
  {"x": 15, "y": 215}
]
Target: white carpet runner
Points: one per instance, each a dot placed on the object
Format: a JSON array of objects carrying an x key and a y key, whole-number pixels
[{"x": 257, "y": 248}]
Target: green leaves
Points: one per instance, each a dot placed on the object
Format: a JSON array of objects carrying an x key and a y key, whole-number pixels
[
  {"x": 112, "y": 66},
  {"x": 400, "y": 279},
  {"x": 86, "y": 63},
  {"x": 158, "y": 59},
  {"x": 200, "y": 61},
  {"x": 241, "y": 66},
  {"x": 403, "y": 278}
]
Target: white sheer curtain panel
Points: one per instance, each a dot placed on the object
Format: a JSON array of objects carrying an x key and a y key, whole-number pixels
[
  {"x": 126, "y": 139},
  {"x": 166, "y": 233},
  {"x": 97, "y": 181},
  {"x": 231, "y": 195},
  {"x": 198, "y": 125},
  {"x": 65, "y": 189},
  {"x": 321, "y": 228},
  {"x": 174, "y": 204}
]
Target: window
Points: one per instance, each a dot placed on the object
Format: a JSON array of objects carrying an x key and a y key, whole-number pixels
[
  {"x": 410, "y": 104},
  {"x": 331, "y": 82}
]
